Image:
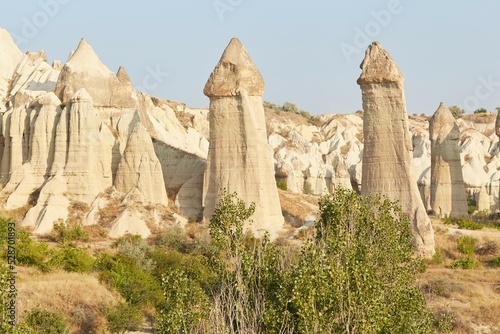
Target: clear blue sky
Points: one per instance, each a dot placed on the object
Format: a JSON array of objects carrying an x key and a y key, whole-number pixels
[{"x": 308, "y": 51}]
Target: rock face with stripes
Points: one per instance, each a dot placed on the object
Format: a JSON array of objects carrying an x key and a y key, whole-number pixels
[
  {"x": 239, "y": 157},
  {"x": 447, "y": 183},
  {"x": 387, "y": 155},
  {"x": 140, "y": 168}
]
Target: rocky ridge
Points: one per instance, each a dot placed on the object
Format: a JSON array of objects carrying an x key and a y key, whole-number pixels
[{"x": 63, "y": 143}]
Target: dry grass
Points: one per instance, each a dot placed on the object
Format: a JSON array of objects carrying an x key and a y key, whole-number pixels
[
  {"x": 473, "y": 295},
  {"x": 79, "y": 298},
  {"x": 296, "y": 207},
  {"x": 481, "y": 117},
  {"x": 109, "y": 213}
]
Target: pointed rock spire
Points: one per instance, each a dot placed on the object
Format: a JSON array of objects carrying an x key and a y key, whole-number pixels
[
  {"x": 122, "y": 75},
  {"x": 140, "y": 168},
  {"x": 239, "y": 159},
  {"x": 447, "y": 183},
  {"x": 378, "y": 66},
  {"x": 443, "y": 125},
  {"x": 235, "y": 71},
  {"x": 84, "y": 69},
  {"x": 387, "y": 155}
]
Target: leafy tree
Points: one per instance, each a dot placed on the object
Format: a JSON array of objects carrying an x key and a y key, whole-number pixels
[
  {"x": 359, "y": 274},
  {"x": 456, "y": 111},
  {"x": 480, "y": 111},
  {"x": 185, "y": 306},
  {"x": 290, "y": 107}
]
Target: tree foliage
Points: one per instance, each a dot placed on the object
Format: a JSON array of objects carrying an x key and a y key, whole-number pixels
[
  {"x": 358, "y": 275},
  {"x": 456, "y": 111}
]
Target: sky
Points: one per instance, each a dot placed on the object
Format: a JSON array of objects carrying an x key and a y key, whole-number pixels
[{"x": 308, "y": 52}]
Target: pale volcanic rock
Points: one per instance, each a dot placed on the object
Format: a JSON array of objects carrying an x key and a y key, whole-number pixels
[
  {"x": 32, "y": 78},
  {"x": 497, "y": 124},
  {"x": 129, "y": 222},
  {"x": 10, "y": 55},
  {"x": 84, "y": 69},
  {"x": 34, "y": 172},
  {"x": 447, "y": 184},
  {"x": 52, "y": 205},
  {"x": 483, "y": 200},
  {"x": 387, "y": 155},
  {"x": 140, "y": 168},
  {"x": 88, "y": 159},
  {"x": 239, "y": 158}
]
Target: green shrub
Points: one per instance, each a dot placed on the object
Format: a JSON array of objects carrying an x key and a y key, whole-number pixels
[
  {"x": 173, "y": 237},
  {"x": 494, "y": 262},
  {"x": 65, "y": 232},
  {"x": 128, "y": 278},
  {"x": 124, "y": 317},
  {"x": 445, "y": 321},
  {"x": 134, "y": 247},
  {"x": 466, "y": 245},
  {"x": 438, "y": 257},
  {"x": 186, "y": 305},
  {"x": 465, "y": 263},
  {"x": 45, "y": 322},
  {"x": 34, "y": 254},
  {"x": 345, "y": 283},
  {"x": 463, "y": 222},
  {"x": 282, "y": 185},
  {"x": 456, "y": 111},
  {"x": 76, "y": 260},
  {"x": 196, "y": 267}
]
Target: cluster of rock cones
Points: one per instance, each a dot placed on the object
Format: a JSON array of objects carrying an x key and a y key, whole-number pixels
[{"x": 73, "y": 132}]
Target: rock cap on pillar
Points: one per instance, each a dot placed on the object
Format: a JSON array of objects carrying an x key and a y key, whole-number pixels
[
  {"x": 378, "y": 66},
  {"x": 235, "y": 71},
  {"x": 444, "y": 118}
]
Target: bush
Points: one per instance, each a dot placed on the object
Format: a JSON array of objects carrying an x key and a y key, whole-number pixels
[
  {"x": 45, "y": 322},
  {"x": 445, "y": 321},
  {"x": 186, "y": 304},
  {"x": 196, "y": 267},
  {"x": 76, "y": 260},
  {"x": 64, "y": 232},
  {"x": 456, "y": 111},
  {"x": 134, "y": 247},
  {"x": 282, "y": 185},
  {"x": 465, "y": 263},
  {"x": 124, "y": 317},
  {"x": 464, "y": 223},
  {"x": 173, "y": 237},
  {"x": 466, "y": 245},
  {"x": 438, "y": 257},
  {"x": 345, "y": 283},
  {"x": 494, "y": 262},
  {"x": 30, "y": 253},
  {"x": 480, "y": 111},
  {"x": 128, "y": 278}
]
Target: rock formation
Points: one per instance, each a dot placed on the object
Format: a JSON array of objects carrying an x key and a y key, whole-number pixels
[
  {"x": 497, "y": 124},
  {"x": 140, "y": 168},
  {"x": 387, "y": 164},
  {"x": 10, "y": 55},
  {"x": 239, "y": 158},
  {"x": 447, "y": 183},
  {"x": 84, "y": 69}
]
